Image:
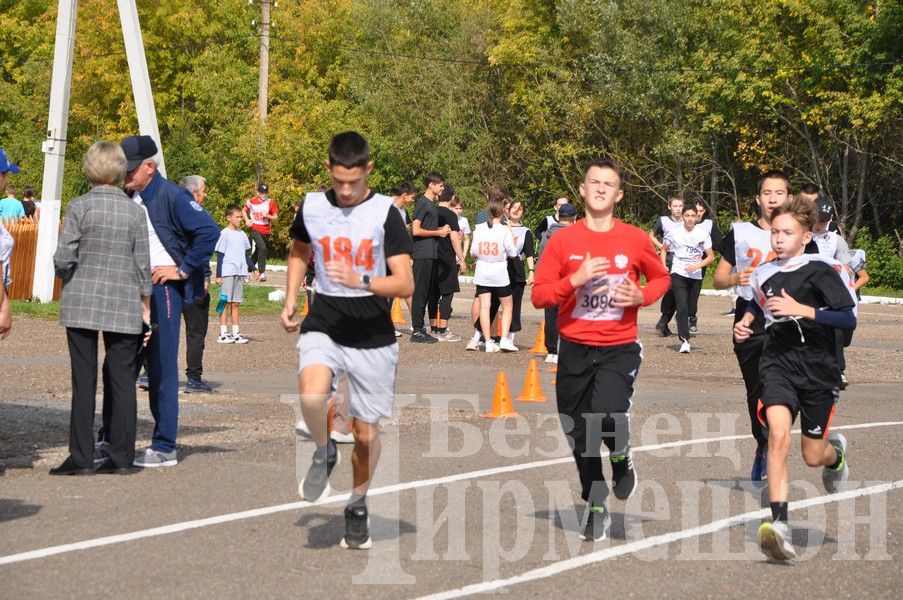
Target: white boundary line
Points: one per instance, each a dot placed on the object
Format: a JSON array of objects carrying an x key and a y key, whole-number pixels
[
  {"x": 390, "y": 489},
  {"x": 658, "y": 540}
]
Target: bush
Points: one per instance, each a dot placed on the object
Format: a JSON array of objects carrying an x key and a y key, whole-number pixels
[{"x": 882, "y": 261}]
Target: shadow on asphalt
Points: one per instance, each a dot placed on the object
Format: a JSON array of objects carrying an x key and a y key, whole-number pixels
[
  {"x": 618, "y": 529},
  {"x": 10, "y": 510},
  {"x": 326, "y": 530},
  {"x": 26, "y": 430}
]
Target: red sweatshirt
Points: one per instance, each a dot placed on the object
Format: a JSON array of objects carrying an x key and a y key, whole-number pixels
[{"x": 585, "y": 318}]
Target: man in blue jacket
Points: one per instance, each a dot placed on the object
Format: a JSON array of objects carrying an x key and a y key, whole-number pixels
[{"x": 182, "y": 236}]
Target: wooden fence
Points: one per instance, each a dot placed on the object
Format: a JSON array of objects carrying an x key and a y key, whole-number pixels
[{"x": 25, "y": 234}]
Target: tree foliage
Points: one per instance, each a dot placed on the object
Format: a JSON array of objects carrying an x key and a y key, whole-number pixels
[{"x": 695, "y": 98}]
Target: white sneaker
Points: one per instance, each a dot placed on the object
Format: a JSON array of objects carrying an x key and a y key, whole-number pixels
[
  {"x": 492, "y": 347},
  {"x": 473, "y": 344},
  {"x": 398, "y": 333},
  {"x": 263, "y": 277},
  {"x": 507, "y": 345},
  {"x": 302, "y": 429},
  {"x": 552, "y": 359},
  {"x": 685, "y": 347},
  {"x": 774, "y": 540},
  {"x": 239, "y": 339},
  {"x": 342, "y": 438},
  {"x": 225, "y": 338}
]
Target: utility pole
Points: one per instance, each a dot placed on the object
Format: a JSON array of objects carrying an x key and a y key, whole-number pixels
[{"x": 262, "y": 84}]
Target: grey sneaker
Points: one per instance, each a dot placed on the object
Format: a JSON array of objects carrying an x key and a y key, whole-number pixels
[
  {"x": 598, "y": 524},
  {"x": 834, "y": 478},
  {"x": 154, "y": 458},
  {"x": 100, "y": 451},
  {"x": 448, "y": 336},
  {"x": 774, "y": 540},
  {"x": 315, "y": 484}
]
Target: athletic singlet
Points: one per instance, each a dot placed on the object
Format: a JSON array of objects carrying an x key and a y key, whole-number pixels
[
  {"x": 762, "y": 291},
  {"x": 354, "y": 234},
  {"x": 752, "y": 247},
  {"x": 520, "y": 235},
  {"x": 827, "y": 243}
]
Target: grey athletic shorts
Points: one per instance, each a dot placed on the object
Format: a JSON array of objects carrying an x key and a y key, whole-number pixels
[
  {"x": 370, "y": 373},
  {"x": 234, "y": 288}
]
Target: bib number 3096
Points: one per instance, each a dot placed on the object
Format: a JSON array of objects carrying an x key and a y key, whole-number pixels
[{"x": 597, "y": 307}]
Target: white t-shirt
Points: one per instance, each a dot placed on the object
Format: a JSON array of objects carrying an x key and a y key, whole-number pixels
[
  {"x": 463, "y": 225},
  {"x": 492, "y": 246},
  {"x": 688, "y": 247},
  {"x": 159, "y": 257},
  {"x": 233, "y": 243}
]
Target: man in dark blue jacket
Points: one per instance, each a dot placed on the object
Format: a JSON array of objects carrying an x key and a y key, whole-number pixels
[{"x": 182, "y": 236}]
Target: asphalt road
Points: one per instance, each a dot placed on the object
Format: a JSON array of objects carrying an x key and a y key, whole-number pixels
[{"x": 461, "y": 504}]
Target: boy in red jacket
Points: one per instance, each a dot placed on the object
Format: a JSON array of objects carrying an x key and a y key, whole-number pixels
[{"x": 591, "y": 272}]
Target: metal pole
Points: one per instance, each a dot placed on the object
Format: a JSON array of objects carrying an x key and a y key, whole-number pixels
[
  {"x": 54, "y": 148},
  {"x": 263, "y": 81},
  {"x": 141, "y": 86}
]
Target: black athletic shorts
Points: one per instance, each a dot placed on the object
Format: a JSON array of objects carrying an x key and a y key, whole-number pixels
[
  {"x": 499, "y": 292},
  {"x": 815, "y": 407}
]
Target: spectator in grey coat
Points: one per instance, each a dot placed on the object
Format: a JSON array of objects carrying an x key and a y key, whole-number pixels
[{"x": 104, "y": 262}]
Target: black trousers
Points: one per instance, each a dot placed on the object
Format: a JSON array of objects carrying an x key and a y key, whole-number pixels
[
  {"x": 197, "y": 317},
  {"x": 551, "y": 330},
  {"x": 259, "y": 256},
  {"x": 686, "y": 298},
  {"x": 669, "y": 307},
  {"x": 424, "y": 281},
  {"x": 594, "y": 391},
  {"x": 748, "y": 354},
  {"x": 119, "y": 391}
]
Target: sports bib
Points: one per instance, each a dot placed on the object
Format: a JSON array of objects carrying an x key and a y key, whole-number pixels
[
  {"x": 598, "y": 307},
  {"x": 752, "y": 247},
  {"x": 355, "y": 235},
  {"x": 827, "y": 244}
]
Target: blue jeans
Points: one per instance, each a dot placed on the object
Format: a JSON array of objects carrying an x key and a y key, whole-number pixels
[{"x": 163, "y": 364}]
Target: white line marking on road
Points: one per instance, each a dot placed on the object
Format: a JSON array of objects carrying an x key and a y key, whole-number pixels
[
  {"x": 390, "y": 489},
  {"x": 658, "y": 540}
]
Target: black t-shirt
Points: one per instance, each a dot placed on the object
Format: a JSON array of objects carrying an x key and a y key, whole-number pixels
[
  {"x": 729, "y": 254},
  {"x": 446, "y": 252},
  {"x": 360, "y": 322},
  {"x": 428, "y": 215},
  {"x": 810, "y": 364}
]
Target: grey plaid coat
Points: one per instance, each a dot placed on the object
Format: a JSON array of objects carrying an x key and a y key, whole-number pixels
[{"x": 103, "y": 260}]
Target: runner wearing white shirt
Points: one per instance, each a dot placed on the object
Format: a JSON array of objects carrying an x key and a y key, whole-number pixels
[
  {"x": 666, "y": 223},
  {"x": 692, "y": 250},
  {"x": 492, "y": 245}
]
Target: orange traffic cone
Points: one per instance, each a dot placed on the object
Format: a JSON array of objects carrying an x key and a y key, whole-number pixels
[
  {"x": 539, "y": 344},
  {"x": 498, "y": 323},
  {"x": 532, "y": 388},
  {"x": 501, "y": 401},
  {"x": 397, "y": 314},
  {"x": 304, "y": 304},
  {"x": 438, "y": 316},
  {"x": 554, "y": 369}
]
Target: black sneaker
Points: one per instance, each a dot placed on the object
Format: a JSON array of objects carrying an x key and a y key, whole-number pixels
[
  {"x": 598, "y": 523},
  {"x": 422, "y": 337},
  {"x": 662, "y": 329},
  {"x": 357, "y": 528},
  {"x": 144, "y": 381},
  {"x": 693, "y": 328},
  {"x": 315, "y": 484},
  {"x": 624, "y": 477}
]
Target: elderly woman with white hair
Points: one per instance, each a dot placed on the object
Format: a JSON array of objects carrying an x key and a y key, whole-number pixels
[{"x": 104, "y": 262}]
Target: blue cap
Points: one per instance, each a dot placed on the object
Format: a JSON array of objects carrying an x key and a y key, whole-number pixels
[
  {"x": 5, "y": 165},
  {"x": 567, "y": 210}
]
